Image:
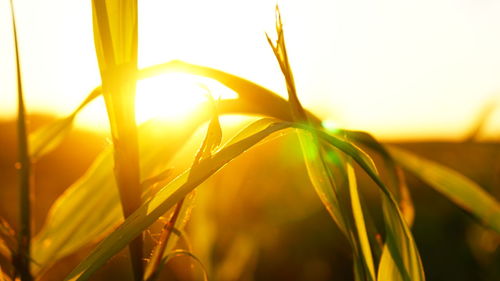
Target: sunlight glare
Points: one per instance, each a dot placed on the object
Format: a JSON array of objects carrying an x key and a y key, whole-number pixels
[{"x": 172, "y": 96}]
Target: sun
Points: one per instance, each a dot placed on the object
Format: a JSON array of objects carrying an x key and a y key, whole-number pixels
[
  {"x": 172, "y": 97},
  {"x": 169, "y": 96}
]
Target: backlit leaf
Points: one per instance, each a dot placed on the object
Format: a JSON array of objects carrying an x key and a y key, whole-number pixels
[
  {"x": 321, "y": 178},
  {"x": 48, "y": 137},
  {"x": 91, "y": 206},
  {"x": 404, "y": 261},
  {"x": 150, "y": 211},
  {"x": 182, "y": 210},
  {"x": 458, "y": 188},
  {"x": 394, "y": 172},
  {"x": 360, "y": 221},
  {"x": 400, "y": 258}
]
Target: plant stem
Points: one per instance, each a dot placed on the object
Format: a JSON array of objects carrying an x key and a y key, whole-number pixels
[
  {"x": 24, "y": 236},
  {"x": 120, "y": 100},
  {"x": 116, "y": 33},
  {"x": 127, "y": 177},
  {"x": 162, "y": 244}
]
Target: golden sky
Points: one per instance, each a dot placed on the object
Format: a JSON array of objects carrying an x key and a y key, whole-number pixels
[{"x": 399, "y": 69}]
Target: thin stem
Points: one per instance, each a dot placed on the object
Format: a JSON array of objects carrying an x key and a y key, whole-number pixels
[
  {"x": 162, "y": 244},
  {"x": 24, "y": 166}
]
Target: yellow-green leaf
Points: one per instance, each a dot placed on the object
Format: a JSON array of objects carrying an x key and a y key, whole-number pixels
[
  {"x": 400, "y": 258},
  {"x": 48, "y": 137},
  {"x": 91, "y": 206},
  {"x": 359, "y": 220},
  {"x": 458, "y": 188},
  {"x": 164, "y": 200},
  {"x": 406, "y": 263},
  {"x": 321, "y": 178}
]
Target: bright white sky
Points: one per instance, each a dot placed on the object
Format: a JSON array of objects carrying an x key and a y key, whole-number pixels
[{"x": 399, "y": 69}]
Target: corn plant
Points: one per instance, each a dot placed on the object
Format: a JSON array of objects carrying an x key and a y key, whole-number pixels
[{"x": 130, "y": 185}]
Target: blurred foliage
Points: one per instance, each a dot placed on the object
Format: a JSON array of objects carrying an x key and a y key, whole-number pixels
[{"x": 280, "y": 231}]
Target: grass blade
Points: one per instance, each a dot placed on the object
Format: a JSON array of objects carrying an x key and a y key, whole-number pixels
[
  {"x": 399, "y": 241},
  {"x": 395, "y": 174},
  {"x": 456, "y": 187},
  {"x": 91, "y": 205},
  {"x": 210, "y": 143},
  {"x": 48, "y": 137},
  {"x": 164, "y": 200},
  {"x": 360, "y": 222},
  {"x": 24, "y": 234},
  {"x": 400, "y": 258},
  {"x": 321, "y": 174}
]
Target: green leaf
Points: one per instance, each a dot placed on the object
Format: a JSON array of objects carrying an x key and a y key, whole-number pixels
[
  {"x": 254, "y": 99},
  {"x": 25, "y": 173},
  {"x": 400, "y": 258},
  {"x": 91, "y": 206},
  {"x": 360, "y": 222},
  {"x": 404, "y": 257},
  {"x": 335, "y": 192},
  {"x": 458, "y": 188},
  {"x": 321, "y": 178},
  {"x": 395, "y": 174},
  {"x": 213, "y": 137},
  {"x": 279, "y": 49},
  {"x": 150, "y": 211},
  {"x": 182, "y": 210},
  {"x": 48, "y": 137}
]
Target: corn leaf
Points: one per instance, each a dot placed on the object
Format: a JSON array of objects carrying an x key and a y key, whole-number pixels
[
  {"x": 400, "y": 258},
  {"x": 182, "y": 210},
  {"x": 76, "y": 219},
  {"x": 322, "y": 179},
  {"x": 455, "y": 186},
  {"x": 164, "y": 200},
  {"x": 48, "y": 137},
  {"x": 395, "y": 174},
  {"x": 91, "y": 206},
  {"x": 254, "y": 99},
  {"x": 404, "y": 259},
  {"x": 360, "y": 222}
]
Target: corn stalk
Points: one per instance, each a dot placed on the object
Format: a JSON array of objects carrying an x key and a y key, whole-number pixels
[{"x": 115, "y": 34}]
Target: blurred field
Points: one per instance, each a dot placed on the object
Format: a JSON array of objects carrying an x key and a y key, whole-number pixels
[{"x": 259, "y": 218}]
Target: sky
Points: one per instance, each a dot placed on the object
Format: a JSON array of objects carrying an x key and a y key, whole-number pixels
[{"x": 399, "y": 69}]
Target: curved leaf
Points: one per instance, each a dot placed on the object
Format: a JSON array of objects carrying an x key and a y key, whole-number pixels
[
  {"x": 455, "y": 186},
  {"x": 394, "y": 172},
  {"x": 322, "y": 179},
  {"x": 150, "y": 211},
  {"x": 48, "y": 137},
  {"x": 181, "y": 212},
  {"x": 91, "y": 206},
  {"x": 360, "y": 221},
  {"x": 404, "y": 256}
]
